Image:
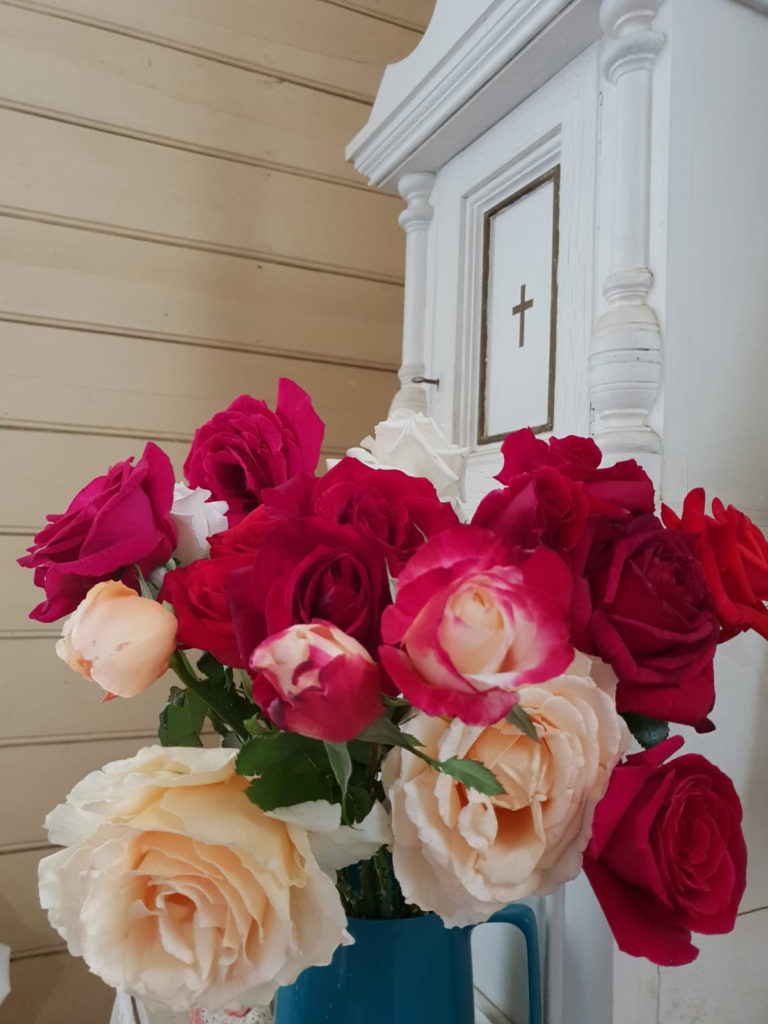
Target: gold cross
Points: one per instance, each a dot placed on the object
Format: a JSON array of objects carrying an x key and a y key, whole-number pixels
[{"x": 521, "y": 308}]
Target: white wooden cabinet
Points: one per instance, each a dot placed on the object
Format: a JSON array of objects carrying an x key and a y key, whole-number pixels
[{"x": 587, "y": 250}]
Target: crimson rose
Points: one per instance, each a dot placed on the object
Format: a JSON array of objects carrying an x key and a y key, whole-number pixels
[
  {"x": 734, "y": 554},
  {"x": 474, "y": 619},
  {"x": 667, "y": 855},
  {"x": 198, "y": 594},
  {"x": 612, "y": 491},
  {"x": 644, "y": 606},
  {"x": 310, "y": 569},
  {"x": 116, "y": 521},
  {"x": 247, "y": 447}
]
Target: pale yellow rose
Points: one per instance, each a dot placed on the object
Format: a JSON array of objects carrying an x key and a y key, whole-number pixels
[
  {"x": 119, "y": 640},
  {"x": 464, "y": 855},
  {"x": 175, "y": 888}
]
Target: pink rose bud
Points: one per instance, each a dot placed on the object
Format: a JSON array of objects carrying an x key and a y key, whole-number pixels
[
  {"x": 119, "y": 640},
  {"x": 316, "y": 680}
]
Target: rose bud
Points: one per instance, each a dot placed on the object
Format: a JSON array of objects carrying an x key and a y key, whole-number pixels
[
  {"x": 119, "y": 640},
  {"x": 316, "y": 680}
]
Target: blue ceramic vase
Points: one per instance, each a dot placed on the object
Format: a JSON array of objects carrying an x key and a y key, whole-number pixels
[{"x": 407, "y": 971}]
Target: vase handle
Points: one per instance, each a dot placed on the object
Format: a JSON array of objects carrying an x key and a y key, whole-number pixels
[{"x": 522, "y": 917}]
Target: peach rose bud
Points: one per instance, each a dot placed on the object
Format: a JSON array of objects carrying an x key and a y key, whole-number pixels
[{"x": 119, "y": 640}]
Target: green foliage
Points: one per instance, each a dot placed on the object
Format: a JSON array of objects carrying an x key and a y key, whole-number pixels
[
  {"x": 471, "y": 773},
  {"x": 341, "y": 764},
  {"x": 521, "y": 720},
  {"x": 647, "y": 731},
  {"x": 288, "y": 770},
  {"x": 182, "y": 719}
]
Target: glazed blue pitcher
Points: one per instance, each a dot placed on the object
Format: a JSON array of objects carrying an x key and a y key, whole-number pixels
[{"x": 405, "y": 971}]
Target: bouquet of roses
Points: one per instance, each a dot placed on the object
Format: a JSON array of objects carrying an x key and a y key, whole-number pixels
[{"x": 415, "y": 713}]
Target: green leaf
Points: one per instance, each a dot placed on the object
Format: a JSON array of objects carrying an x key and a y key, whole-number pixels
[
  {"x": 357, "y": 804},
  {"x": 647, "y": 731},
  {"x": 384, "y": 730},
  {"x": 340, "y": 762},
  {"x": 256, "y": 725},
  {"x": 520, "y": 718},
  {"x": 289, "y": 768},
  {"x": 471, "y": 773},
  {"x": 181, "y": 719}
]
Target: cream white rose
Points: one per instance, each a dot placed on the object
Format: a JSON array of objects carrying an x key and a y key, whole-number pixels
[
  {"x": 175, "y": 888},
  {"x": 196, "y": 519},
  {"x": 464, "y": 855},
  {"x": 415, "y": 444}
]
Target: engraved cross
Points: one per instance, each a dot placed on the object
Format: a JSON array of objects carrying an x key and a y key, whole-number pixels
[{"x": 521, "y": 308}]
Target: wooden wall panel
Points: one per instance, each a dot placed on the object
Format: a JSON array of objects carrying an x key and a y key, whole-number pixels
[
  {"x": 413, "y": 14},
  {"x": 55, "y": 989},
  {"x": 301, "y": 40},
  {"x": 123, "y": 285},
  {"x": 146, "y": 90},
  {"x": 73, "y": 174},
  {"x": 170, "y": 389}
]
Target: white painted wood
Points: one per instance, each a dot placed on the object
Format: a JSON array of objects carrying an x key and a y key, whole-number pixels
[{"x": 414, "y": 220}]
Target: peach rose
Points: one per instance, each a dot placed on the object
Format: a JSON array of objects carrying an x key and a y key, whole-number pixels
[
  {"x": 464, "y": 855},
  {"x": 119, "y": 640},
  {"x": 175, "y": 888}
]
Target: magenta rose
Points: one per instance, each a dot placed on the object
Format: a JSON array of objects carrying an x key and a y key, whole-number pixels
[
  {"x": 612, "y": 491},
  {"x": 538, "y": 507},
  {"x": 649, "y": 613},
  {"x": 310, "y": 569},
  {"x": 314, "y": 679},
  {"x": 734, "y": 554},
  {"x": 384, "y": 506},
  {"x": 116, "y": 521},
  {"x": 472, "y": 620},
  {"x": 667, "y": 855},
  {"x": 247, "y": 447}
]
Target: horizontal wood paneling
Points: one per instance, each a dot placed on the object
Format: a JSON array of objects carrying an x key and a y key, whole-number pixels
[
  {"x": 55, "y": 989},
  {"x": 130, "y": 85},
  {"x": 304, "y": 42},
  {"x": 44, "y": 697},
  {"x": 42, "y": 472},
  {"x": 413, "y": 14},
  {"x": 64, "y": 171},
  {"x": 24, "y": 924},
  {"x": 169, "y": 390},
  {"x": 124, "y": 285},
  {"x": 43, "y": 775}
]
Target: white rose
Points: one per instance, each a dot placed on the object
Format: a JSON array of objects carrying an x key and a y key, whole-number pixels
[
  {"x": 464, "y": 855},
  {"x": 176, "y": 889},
  {"x": 196, "y": 518},
  {"x": 414, "y": 443}
]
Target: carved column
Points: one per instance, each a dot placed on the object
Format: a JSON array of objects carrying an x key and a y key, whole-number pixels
[
  {"x": 414, "y": 220},
  {"x": 625, "y": 355}
]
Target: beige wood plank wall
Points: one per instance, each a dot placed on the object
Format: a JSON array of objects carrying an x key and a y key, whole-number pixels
[{"x": 177, "y": 225}]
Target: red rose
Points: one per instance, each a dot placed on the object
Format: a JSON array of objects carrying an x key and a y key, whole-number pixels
[
  {"x": 116, "y": 521},
  {"x": 199, "y": 598},
  {"x": 612, "y": 491},
  {"x": 667, "y": 855},
  {"x": 539, "y": 507},
  {"x": 384, "y": 506},
  {"x": 247, "y": 447},
  {"x": 316, "y": 680},
  {"x": 474, "y": 620},
  {"x": 734, "y": 554},
  {"x": 310, "y": 569},
  {"x": 649, "y": 613}
]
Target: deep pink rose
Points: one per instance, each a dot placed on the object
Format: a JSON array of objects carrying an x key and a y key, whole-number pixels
[
  {"x": 116, "y": 521},
  {"x": 539, "y": 507},
  {"x": 310, "y": 569},
  {"x": 474, "y": 619},
  {"x": 316, "y": 680},
  {"x": 247, "y": 447},
  {"x": 384, "y": 506},
  {"x": 613, "y": 491},
  {"x": 650, "y": 615},
  {"x": 198, "y": 594},
  {"x": 734, "y": 554},
  {"x": 667, "y": 855}
]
